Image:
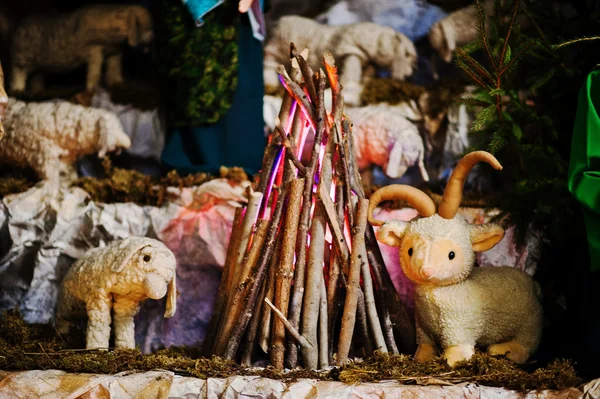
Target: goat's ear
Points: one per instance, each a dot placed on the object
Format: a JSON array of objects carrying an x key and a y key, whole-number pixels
[
  {"x": 485, "y": 236},
  {"x": 392, "y": 233}
]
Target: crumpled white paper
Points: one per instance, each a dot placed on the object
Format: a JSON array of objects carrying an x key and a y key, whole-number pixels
[
  {"x": 164, "y": 384},
  {"x": 41, "y": 237}
]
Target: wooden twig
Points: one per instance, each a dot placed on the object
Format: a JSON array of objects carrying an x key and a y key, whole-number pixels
[
  {"x": 240, "y": 292},
  {"x": 323, "y": 327},
  {"x": 396, "y": 322},
  {"x": 250, "y": 299},
  {"x": 339, "y": 241},
  {"x": 298, "y": 94},
  {"x": 293, "y": 331},
  {"x": 252, "y": 332},
  {"x": 307, "y": 73},
  {"x": 314, "y": 271},
  {"x": 333, "y": 296},
  {"x": 334, "y": 81},
  {"x": 224, "y": 288},
  {"x": 370, "y": 307},
  {"x": 363, "y": 324},
  {"x": 349, "y": 316},
  {"x": 290, "y": 149},
  {"x": 254, "y": 202},
  {"x": 285, "y": 272},
  {"x": 265, "y": 323},
  {"x": 299, "y": 276}
]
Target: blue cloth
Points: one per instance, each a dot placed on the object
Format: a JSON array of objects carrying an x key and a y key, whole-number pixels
[
  {"x": 238, "y": 138},
  {"x": 199, "y": 8},
  {"x": 412, "y": 18}
]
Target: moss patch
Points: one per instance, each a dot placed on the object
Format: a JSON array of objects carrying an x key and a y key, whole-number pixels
[
  {"x": 482, "y": 369},
  {"x": 39, "y": 347},
  {"x": 124, "y": 185},
  {"x": 388, "y": 90}
]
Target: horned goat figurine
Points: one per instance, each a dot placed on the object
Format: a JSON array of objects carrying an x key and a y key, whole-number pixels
[{"x": 457, "y": 306}]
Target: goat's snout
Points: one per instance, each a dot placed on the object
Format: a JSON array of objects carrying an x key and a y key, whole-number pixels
[{"x": 427, "y": 272}]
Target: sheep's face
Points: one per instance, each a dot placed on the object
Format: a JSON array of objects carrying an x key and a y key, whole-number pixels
[
  {"x": 405, "y": 58},
  {"x": 442, "y": 41},
  {"x": 139, "y": 26},
  {"x": 150, "y": 266},
  {"x": 439, "y": 251},
  {"x": 112, "y": 136}
]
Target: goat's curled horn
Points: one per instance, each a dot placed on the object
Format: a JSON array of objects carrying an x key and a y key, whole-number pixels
[
  {"x": 417, "y": 198},
  {"x": 454, "y": 189}
]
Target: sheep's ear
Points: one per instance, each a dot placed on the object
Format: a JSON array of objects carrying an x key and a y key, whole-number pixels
[
  {"x": 485, "y": 236},
  {"x": 450, "y": 41},
  {"x": 125, "y": 251},
  {"x": 133, "y": 29},
  {"x": 102, "y": 134},
  {"x": 392, "y": 232}
]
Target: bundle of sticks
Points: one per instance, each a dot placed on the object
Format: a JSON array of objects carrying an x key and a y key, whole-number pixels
[{"x": 304, "y": 280}]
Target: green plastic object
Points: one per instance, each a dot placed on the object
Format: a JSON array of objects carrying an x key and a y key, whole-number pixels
[{"x": 584, "y": 168}]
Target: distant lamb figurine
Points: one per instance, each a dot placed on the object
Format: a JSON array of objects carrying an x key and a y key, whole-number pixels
[
  {"x": 354, "y": 46},
  {"x": 88, "y": 35},
  {"x": 457, "y": 29},
  {"x": 459, "y": 306},
  {"x": 385, "y": 138},
  {"x": 49, "y": 136},
  {"x": 118, "y": 277}
]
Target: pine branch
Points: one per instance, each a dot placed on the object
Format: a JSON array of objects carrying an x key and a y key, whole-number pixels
[
  {"x": 470, "y": 72},
  {"x": 510, "y": 28},
  {"x": 474, "y": 64},
  {"x": 482, "y": 35},
  {"x": 573, "y": 41}
]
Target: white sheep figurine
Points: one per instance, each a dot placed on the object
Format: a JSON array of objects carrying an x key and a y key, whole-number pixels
[
  {"x": 354, "y": 45},
  {"x": 87, "y": 36},
  {"x": 118, "y": 277},
  {"x": 459, "y": 306},
  {"x": 383, "y": 137},
  {"x": 49, "y": 136}
]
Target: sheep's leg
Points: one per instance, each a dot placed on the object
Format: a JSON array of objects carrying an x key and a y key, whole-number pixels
[
  {"x": 124, "y": 311},
  {"x": 98, "y": 326},
  {"x": 18, "y": 80},
  {"x": 94, "y": 72},
  {"x": 425, "y": 352},
  {"x": 351, "y": 79},
  {"x": 37, "y": 84},
  {"x": 114, "y": 70},
  {"x": 511, "y": 349},
  {"x": 456, "y": 353}
]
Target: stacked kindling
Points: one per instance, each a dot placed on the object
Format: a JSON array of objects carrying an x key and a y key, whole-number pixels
[{"x": 303, "y": 271}]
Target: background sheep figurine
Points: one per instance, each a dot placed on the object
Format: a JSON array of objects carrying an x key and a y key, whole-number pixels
[
  {"x": 49, "y": 136},
  {"x": 457, "y": 306},
  {"x": 354, "y": 45},
  {"x": 117, "y": 277},
  {"x": 86, "y": 36},
  {"x": 457, "y": 29},
  {"x": 385, "y": 138}
]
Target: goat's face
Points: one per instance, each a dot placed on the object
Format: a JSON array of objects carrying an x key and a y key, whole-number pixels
[
  {"x": 438, "y": 248},
  {"x": 439, "y": 251}
]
